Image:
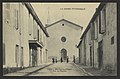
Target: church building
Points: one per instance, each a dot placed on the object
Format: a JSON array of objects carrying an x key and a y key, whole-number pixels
[{"x": 64, "y": 36}]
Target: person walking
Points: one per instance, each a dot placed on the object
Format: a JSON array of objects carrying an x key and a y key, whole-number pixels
[
  {"x": 53, "y": 60},
  {"x": 61, "y": 60},
  {"x": 56, "y": 60},
  {"x": 67, "y": 59},
  {"x": 73, "y": 58}
]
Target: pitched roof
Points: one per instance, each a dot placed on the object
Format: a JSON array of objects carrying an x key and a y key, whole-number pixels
[{"x": 66, "y": 21}]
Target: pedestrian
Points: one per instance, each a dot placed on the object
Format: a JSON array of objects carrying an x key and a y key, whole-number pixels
[
  {"x": 56, "y": 60},
  {"x": 53, "y": 60},
  {"x": 61, "y": 60},
  {"x": 67, "y": 59},
  {"x": 73, "y": 58}
]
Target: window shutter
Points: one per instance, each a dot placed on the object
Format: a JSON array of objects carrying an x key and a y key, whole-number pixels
[
  {"x": 30, "y": 23},
  {"x": 16, "y": 19},
  {"x": 36, "y": 26},
  {"x": 96, "y": 28},
  {"x": 21, "y": 56},
  {"x": 100, "y": 23},
  {"x": 3, "y": 53},
  {"x": 103, "y": 21},
  {"x": 7, "y": 12},
  {"x": 35, "y": 29},
  {"x": 38, "y": 34},
  {"x": 92, "y": 31},
  {"x": 17, "y": 54}
]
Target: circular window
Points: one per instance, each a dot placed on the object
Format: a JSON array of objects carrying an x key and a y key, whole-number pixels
[
  {"x": 62, "y": 24},
  {"x": 63, "y": 39}
]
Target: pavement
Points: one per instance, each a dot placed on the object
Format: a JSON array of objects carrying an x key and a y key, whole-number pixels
[
  {"x": 84, "y": 70},
  {"x": 95, "y": 71},
  {"x": 28, "y": 71}
]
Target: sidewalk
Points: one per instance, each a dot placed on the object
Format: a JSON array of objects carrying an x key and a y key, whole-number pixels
[
  {"x": 28, "y": 71},
  {"x": 79, "y": 66},
  {"x": 95, "y": 71}
]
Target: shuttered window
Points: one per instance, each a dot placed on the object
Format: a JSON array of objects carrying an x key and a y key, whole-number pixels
[
  {"x": 38, "y": 34},
  {"x": 112, "y": 40},
  {"x": 16, "y": 19},
  {"x": 34, "y": 29},
  {"x": 92, "y": 31},
  {"x": 30, "y": 24},
  {"x": 102, "y": 27},
  {"x": 21, "y": 56},
  {"x": 3, "y": 53},
  {"x": 7, "y": 13},
  {"x": 96, "y": 28},
  {"x": 17, "y": 54}
]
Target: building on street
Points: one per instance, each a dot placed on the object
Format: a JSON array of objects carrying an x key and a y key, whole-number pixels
[
  {"x": 64, "y": 36},
  {"x": 24, "y": 37},
  {"x": 98, "y": 44}
]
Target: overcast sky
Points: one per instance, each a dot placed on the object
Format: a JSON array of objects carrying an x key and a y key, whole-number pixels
[{"x": 79, "y": 13}]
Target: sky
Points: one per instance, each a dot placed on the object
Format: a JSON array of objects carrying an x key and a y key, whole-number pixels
[{"x": 79, "y": 13}]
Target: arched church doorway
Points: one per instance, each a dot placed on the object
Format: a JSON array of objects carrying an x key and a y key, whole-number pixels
[{"x": 64, "y": 54}]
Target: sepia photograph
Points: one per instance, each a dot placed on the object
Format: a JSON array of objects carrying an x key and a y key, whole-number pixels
[{"x": 59, "y": 38}]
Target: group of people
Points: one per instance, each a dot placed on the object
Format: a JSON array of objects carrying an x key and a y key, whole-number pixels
[
  {"x": 54, "y": 60},
  {"x": 61, "y": 60}
]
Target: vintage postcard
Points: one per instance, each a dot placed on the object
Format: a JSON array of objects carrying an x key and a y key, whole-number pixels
[{"x": 59, "y": 39}]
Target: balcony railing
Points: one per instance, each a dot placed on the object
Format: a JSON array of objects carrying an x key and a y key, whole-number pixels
[{"x": 39, "y": 44}]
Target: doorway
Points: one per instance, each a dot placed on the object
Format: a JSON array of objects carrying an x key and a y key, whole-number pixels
[
  {"x": 100, "y": 54},
  {"x": 90, "y": 55},
  {"x": 33, "y": 55},
  {"x": 64, "y": 54},
  {"x": 21, "y": 63}
]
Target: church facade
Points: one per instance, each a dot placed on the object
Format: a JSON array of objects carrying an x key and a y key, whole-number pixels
[{"x": 64, "y": 36}]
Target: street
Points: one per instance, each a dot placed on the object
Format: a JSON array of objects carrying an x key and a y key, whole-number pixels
[{"x": 60, "y": 69}]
